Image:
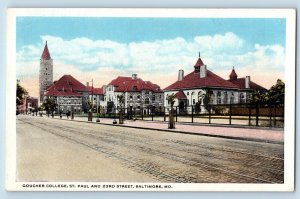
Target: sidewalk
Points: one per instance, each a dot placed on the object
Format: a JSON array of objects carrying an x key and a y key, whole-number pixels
[{"x": 243, "y": 133}]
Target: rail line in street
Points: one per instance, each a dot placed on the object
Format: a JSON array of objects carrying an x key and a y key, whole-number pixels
[{"x": 104, "y": 142}]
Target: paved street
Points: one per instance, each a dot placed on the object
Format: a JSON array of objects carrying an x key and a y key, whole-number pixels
[{"x": 59, "y": 150}]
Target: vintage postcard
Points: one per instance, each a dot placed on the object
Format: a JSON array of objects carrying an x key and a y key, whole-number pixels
[{"x": 150, "y": 99}]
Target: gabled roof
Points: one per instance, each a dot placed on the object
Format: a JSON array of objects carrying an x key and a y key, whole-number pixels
[
  {"x": 181, "y": 95},
  {"x": 66, "y": 86},
  {"x": 46, "y": 54},
  {"x": 240, "y": 82},
  {"x": 127, "y": 84},
  {"x": 193, "y": 80}
]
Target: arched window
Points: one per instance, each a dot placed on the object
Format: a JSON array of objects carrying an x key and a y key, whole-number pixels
[
  {"x": 232, "y": 98},
  {"x": 225, "y": 99},
  {"x": 199, "y": 94},
  {"x": 242, "y": 98},
  {"x": 219, "y": 97}
]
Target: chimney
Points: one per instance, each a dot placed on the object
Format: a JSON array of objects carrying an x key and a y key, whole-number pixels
[
  {"x": 87, "y": 84},
  {"x": 247, "y": 82},
  {"x": 134, "y": 76},
  {"x": 203, "y": 70},
  {"x": 180, "y": 75}
]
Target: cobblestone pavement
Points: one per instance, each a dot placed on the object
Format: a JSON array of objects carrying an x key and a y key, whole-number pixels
[{"x": 167, "y": 156}]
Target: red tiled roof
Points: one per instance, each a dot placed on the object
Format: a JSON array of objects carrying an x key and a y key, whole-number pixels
[
  {"x": 119, "y": 80},
  {"x": 66, "y": 86},
  {"x": 126, "y": 84},
  {"x": 96, "y": 91},
  {"x": 193, "y": 80},
  {"x": 46, "y": 54},
  {"x": 181, "y": 95},
  {"x": 233, "y": 75},
  {"x": 240, "y": 82}
]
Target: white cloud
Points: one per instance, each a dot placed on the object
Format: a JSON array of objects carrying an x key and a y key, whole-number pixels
[{"x": 157, "y": 61}]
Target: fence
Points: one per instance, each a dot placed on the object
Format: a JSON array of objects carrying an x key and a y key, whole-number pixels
[{"x": 267, "y": 115}]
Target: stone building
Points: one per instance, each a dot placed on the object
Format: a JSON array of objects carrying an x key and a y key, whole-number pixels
[
  {"x": 45, "y": 72},
  {"x": 192, "y": 88},
  {"x": 138, "y": 94},
  {"x": 69, "y": 95}
]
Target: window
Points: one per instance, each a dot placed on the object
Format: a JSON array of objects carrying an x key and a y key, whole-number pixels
[
  {"x": 138, "y": 97},
  {"x": 134, "y": 88},
  {"x": 232, "y": 98},
  {"x": 187, "y": 93},
  {"x": 130, "y": 97},
  {"x": 46, "y": 68},
  {"x": 218, "y": 97},
  {"x": 146, "y": 92},
  {"x": 225, "y": 99},
  {"x": 147, "y": 101},
  {"x": 153, "y": 97},
  {"x": 194, "y": 102},
  {"x": 193, "y": 93},
  {"x": 242, "y": 98}
]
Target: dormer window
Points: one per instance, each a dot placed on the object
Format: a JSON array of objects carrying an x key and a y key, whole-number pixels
[{"x": 134, "y": 88}]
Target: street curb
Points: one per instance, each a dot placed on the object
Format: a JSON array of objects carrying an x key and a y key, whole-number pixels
[
  {"x": 180, "y": 132},
  {"x": 221, "y": 125}
]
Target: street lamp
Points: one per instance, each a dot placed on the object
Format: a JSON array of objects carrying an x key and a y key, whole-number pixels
[{"x": 90, "y": 114}]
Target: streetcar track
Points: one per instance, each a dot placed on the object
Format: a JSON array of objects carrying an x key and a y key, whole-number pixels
[
  {"x": 189, "y": 151},
  {"x": 143, "y": 168},
  {"x": 184, "y": 160}
]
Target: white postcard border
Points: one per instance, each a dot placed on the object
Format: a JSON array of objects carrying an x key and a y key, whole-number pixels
[{"x": 289, "y": 131}]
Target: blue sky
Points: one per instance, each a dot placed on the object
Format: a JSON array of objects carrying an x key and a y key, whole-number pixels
[
  {"x": 262, "y": 31},
  {"x": 155, "y": 48}
]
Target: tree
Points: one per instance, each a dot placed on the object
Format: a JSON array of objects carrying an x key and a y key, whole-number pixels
[
  {"x": 260, "y": 97},
  {"x": 276, "y": 92},
  {"x": 49, "y": 105},
  {"x": 198, "y": 107},
  {"x": 171, "y": 100},
  {"x": 121, "y": 101},
  {"x": 22, "y": 94},
  {"x": 207, "y": 99},
  {"x": 274, "y": 95}
]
